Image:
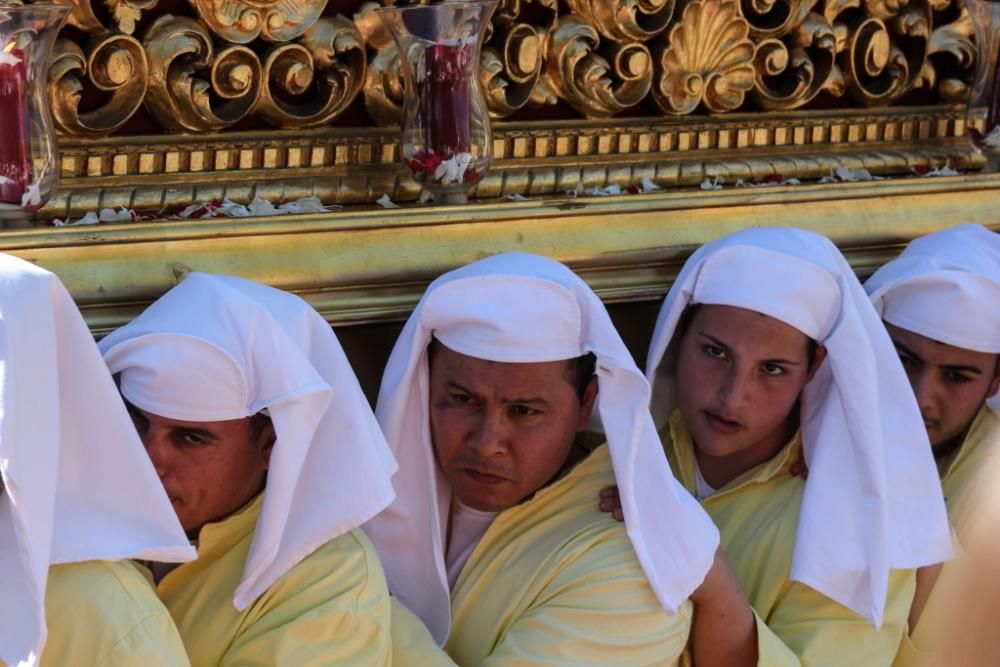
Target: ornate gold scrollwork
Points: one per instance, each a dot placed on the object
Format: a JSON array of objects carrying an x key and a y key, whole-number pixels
[
  {"x": 179, "y": 48},
  {"x": 242, "y": 21},
  {"x": 510, "y": 68},
  {"x": 787, "y": 78},
  {"x": 512, "y": 57},
  {"x": 708, "y": 60},
  {"x": 116, "y": 65},
  {"x": 595, "y": 85},
  {"x": 327, "y": 66},
  {"x": 954, "y": 44},
  {"x": 626, "y": 20},
  {"x": 771, "y": 19},
  {"x": 125, "y": 14},
  {"x": 885, "y": 51}
]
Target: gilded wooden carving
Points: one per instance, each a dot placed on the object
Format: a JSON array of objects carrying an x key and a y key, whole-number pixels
[{"x": 284, "y": 62}]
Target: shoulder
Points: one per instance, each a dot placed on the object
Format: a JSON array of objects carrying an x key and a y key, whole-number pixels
[
  {"x": 115, "y": 589},
  {"x": 344, "y": 568},
  {"x": 97, "y": 609}
]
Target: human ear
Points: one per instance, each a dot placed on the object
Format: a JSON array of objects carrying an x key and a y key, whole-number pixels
[
  {"x": 587, "y": 404},
  {"x": 995, "y": 382},
  {"x": 818, "y": 358},
  {"x": 265, "y": 443}
]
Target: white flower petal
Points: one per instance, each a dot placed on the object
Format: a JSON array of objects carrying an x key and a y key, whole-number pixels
[{"x": 385, "y": 202}]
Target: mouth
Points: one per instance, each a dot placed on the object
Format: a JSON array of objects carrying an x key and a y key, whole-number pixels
[
  {"x": 722, "y": 424},
  {"x": 931, "y": 424},
  {"x": 483, "y": 477}
]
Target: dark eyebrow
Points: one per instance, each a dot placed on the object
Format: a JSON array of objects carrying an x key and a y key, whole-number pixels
[
  {"x": 962, "y": 369},
  {"x": 531, "y": 400},
  {"x": 723, "y": 345},
  {"x": 905, "y": 350}
]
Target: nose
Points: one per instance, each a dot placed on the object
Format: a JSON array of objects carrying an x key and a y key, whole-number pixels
[
  {"x": 159, "y": 449},
  {"x": 926, "y": 390},
  {"x": 489, "y": 436},
  {"x": 734, "y": 390}
]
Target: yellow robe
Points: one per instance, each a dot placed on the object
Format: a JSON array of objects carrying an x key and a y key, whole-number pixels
[
  {"x": 330, "y": 609},
  {"x": 555, "y": 581},
  {"x": 757, "y": 515},
  {"x": 958, "y": 481},
  {"x": 105, "y": 614}
]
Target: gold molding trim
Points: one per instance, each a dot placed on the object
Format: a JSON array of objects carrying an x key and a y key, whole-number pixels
[
  {"x": 358, "y": 266},
  {"x": 358, "y": 165}
]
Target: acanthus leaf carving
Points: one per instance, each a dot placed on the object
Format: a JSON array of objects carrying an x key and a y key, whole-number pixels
[
  {"x": 789, "y": 80},
  {"x": 596, "y": 85},
  {"x": 242, "y": 21},
  {"x": 625, "y": 20},
  {"x": 115, "y": 65},
  {"x": 180, "y": 49},
  {"x": 326, "y": 66}
]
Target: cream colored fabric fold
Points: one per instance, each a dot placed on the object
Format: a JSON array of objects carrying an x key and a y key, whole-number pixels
[
  {"x": 873, "y": 501},
  {"x": 77, "y": 484},
  {"x": 216, "y": 348},
  {"x": 517, "y": 307}
]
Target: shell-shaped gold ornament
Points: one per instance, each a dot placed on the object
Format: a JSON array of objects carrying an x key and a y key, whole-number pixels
[{"x": 708, "y": 60}]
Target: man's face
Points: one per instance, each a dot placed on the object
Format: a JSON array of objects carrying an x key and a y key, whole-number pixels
[
  {"x": 501, "y": 431},
  {"x": 209, "y": 469},
  {"x": 950, "y": 383},
  {"x": 739, "y": 377}
]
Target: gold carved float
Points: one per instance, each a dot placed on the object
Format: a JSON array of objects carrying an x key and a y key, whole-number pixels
[
  {"x": 278, "y": 98},
  {"x": 162, "y": 103}
]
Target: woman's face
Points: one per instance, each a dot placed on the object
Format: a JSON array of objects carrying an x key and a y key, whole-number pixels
[{"x": 739, "y": 378}]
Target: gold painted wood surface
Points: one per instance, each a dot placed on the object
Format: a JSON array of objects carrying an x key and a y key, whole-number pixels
[
  {"x": 368, "y": 265},
  {"x": 354, "y": 166}
]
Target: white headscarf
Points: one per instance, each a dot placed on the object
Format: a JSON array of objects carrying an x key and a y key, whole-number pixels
[
  {"x": 519, "y": 308},
  {"x": 945, "y": 286},
  {"x": 216, "y": 348},
  {"x": 77, "y": 484},
  {"x": 873, "y": 500}
]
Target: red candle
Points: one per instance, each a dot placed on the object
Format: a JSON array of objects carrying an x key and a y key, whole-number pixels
[
  {"x": 15, "y": 148},
  {"x": 450, "y": 69}
]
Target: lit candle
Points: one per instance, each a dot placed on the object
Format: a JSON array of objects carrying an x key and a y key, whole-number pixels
[
  {"x": 449, "y": 95},
  {"x": 15, "y": 148}
]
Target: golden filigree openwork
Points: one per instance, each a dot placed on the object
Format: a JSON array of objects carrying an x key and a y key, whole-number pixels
[
  {"x": 181, "y": 53},
  {"x": 242, "y": 21},
  {"x": 788, "y": 74},
  {"x": 708, "y": 60},
  {"x": 513, "y": 55},
  {"x": 280, "y": 61},
  {"x": 595, "y": 85},
  {"x": 325, "y": 69},
  {"x": 626, "y": 20},
  {"x": 115, "y": 65}
]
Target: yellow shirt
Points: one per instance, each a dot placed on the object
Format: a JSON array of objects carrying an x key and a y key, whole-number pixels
[
  {"x": 332, "y": 608},
  {"x": 958, "y": 480},
  {"x": 555, "y": 581},
  {"x": 105, "y": 614},
  {"x": 957, "y": 477},
  {"x": 757, "y": 515},
  {"x": 412, "y": 643}
]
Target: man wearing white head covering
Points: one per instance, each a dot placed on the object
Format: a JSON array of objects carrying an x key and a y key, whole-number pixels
[
  {"x": 767, "y": 349},
  {"x": 494, "y": 539},
  {"x": 940, "y": 301},
  {"x": 78, "y": 497},
  {"x": 271, "y": 457}
]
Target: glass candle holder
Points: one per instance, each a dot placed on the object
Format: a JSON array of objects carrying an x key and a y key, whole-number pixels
[
  {"x": 983, "y": 117},
  {"x": 445, "y": 125},
  {"x": 29, "y": 152}
]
